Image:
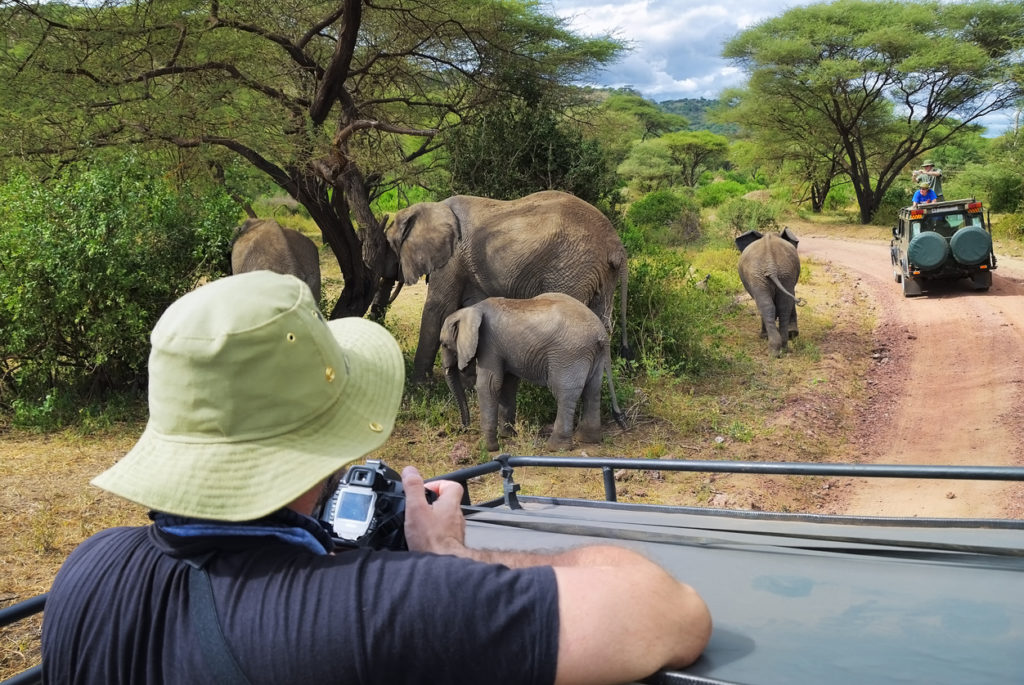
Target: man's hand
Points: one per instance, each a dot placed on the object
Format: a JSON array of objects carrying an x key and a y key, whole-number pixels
[{"x": 439, "y": 527}]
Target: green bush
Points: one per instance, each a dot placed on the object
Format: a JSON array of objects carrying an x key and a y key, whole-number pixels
[
  {"x": 673, "y": 326},
  {"x": 664, "y": 219},
  {"x": 1001, "y": 187},
  {"x": 88, "y": 262},
  {"x": 714, "y": 194},
  {"x": 896, "y": 197},
  {"x": 742, "y": 215},
  {"x": 655, "y": 209}
]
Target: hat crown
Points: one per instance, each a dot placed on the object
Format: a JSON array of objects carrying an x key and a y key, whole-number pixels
[{"x": 243, "y": 357}]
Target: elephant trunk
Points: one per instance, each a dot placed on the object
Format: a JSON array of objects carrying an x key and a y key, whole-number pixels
[{"x": 454, "y": 380}]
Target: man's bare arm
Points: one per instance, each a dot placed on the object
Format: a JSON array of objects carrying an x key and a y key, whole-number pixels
[{"x": 621, "y": 616}]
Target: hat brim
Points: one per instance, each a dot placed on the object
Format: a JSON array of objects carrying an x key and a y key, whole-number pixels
[{"x": 246, "y": 479}]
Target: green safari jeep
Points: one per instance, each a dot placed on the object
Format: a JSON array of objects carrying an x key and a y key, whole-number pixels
[{"x": 942, "y": 241}]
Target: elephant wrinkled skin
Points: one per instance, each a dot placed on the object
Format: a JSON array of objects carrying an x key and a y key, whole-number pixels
[
  {"x": 265, "y": 244},
  {"x": 769, "y": 268},
  {"x": 551, "y": 340},
  {"x": 473, "y": 248}
]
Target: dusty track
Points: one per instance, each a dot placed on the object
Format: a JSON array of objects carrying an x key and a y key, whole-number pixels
[{"x": 952, "y": 391}]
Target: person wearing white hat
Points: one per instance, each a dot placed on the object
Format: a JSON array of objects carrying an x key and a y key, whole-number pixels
[{"x": 255, "y": 402}]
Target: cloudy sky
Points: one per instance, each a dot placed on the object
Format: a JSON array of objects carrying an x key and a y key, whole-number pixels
[{"x": 677, "y": 44}]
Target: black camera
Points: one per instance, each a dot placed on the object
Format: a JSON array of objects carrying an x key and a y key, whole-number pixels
[{"x": 367, "y": 509}]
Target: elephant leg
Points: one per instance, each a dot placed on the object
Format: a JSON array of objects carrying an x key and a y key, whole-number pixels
[
  {"x": 507, "y": 406},
  {"x": 769, "y": 314},
  {"x": 488, "y": 388},
  {"x": 567, "y": 386},
  {"x": 786, "y": 308},
  {"x": 589, "y": 430}
]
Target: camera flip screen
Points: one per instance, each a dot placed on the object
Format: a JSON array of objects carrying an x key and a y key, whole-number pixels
[{"x": 355, "y": 506}]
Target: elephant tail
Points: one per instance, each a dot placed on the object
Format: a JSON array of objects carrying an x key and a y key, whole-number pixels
[
  {"x": 626, "y": 352},
  {"x": 617, "y": 414},
  {"x": 800, "y": 302}
]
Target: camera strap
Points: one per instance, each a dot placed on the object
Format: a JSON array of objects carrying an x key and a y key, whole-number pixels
[{"x": 224, "y": 669}]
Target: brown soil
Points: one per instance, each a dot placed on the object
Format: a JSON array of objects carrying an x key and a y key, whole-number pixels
[{"x": 946, "y": 389}]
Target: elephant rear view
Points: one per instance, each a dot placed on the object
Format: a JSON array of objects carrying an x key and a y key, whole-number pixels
[
  {"x": 473, "y": 248},
  {"x": 264, "y": 244},
  {"x": 551, "y": 340},
  {"x": 769, "y": 268}
]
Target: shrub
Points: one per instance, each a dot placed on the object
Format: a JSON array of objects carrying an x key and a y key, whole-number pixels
[
  {"x": 743, "y": 215},
  {"x": 89, "y": 262},
  {"x": 655, "y": 209},
  {"x": 714, "y": 194},
  {"x": 672, "y": 326},
  {"x": 896, "y": 197},
  {"x": 664, "y": 219},
  {"x": 999, "y": 186}
]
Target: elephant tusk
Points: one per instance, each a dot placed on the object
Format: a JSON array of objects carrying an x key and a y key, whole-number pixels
[{"x": 394, "y": 293}]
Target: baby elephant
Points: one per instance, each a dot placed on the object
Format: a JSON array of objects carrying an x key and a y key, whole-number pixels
[
  {"x": 265, "y": 244},
  {"x": 769, "y": 268},
  {"x": 552, "y": 340}
]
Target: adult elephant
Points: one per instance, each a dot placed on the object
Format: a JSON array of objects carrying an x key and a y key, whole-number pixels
[
  {"x": 769, "y": 268},
  {"x": 265, "y": 244},
  {"x": 472, "y": 248}
]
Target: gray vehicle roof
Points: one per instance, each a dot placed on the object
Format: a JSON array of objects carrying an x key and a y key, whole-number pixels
[{"x": 812, "y": 599}]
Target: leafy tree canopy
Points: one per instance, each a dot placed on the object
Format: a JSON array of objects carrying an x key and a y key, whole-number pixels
[
  {"x": 335, "y": 101},
  {"x": 879, "y": 82}
]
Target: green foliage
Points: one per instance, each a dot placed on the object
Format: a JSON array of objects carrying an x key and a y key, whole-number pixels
[
  {"x": 89, "y": 262},
  {"x": 673, "y": 326},
  {"x": 699, "y": 112},
  {"x": 516, "y": 149},
  {"x": 331, "y": 107},
  {"x": 1000, "y": 186},
  {"x": 839, "y": 197},
  {"x": 1009, "y": 226},
  {"x": 832, "y": 84},
  {"x": 742, "y": 215},
  {"x": 655, "y": 209},
  {"x": 714, "y": 194},
  {"x": 665, "y": 219},
  {"x": 895, "y": 198}
]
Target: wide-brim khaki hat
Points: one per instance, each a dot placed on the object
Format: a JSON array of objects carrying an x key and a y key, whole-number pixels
[{"x": 254, "y": 399}]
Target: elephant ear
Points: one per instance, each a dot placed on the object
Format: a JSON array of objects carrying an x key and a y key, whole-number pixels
[
  {"x": 744, "y": 240},
  {"x": 465, "y": 330},
  {"x": 790, "y": 236},
  {"x": 424, "y": 237}
]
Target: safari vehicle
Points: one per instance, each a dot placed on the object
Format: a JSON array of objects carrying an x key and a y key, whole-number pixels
[
  {"x": 942, "y": 241},
  {"x": 795, "y": 598}
]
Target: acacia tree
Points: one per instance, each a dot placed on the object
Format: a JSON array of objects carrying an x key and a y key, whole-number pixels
[
  {"x": 879, "y": 83},
  {"x": 333, "y": 101}
]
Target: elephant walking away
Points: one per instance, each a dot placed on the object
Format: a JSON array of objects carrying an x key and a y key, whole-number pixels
[
  {"x": 551, "y": 340},
  {"x": 265, "y": 244},
  {"x": 473, "y": 248},
  {"x": 769, "y": 268}
]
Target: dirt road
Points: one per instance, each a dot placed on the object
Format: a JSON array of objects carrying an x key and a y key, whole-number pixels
[{"x": 951, "y": 392}]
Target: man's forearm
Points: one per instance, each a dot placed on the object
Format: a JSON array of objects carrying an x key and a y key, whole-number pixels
[{"x": 594, "y": 555}]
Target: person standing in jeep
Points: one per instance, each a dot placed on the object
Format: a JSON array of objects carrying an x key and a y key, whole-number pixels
[{"x": 930, "y": 175}]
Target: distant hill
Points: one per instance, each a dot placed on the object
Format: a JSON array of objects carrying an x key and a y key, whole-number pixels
[{"x": 695, "y": 111}]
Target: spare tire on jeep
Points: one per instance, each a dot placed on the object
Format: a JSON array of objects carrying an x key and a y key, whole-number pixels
[
  {"x": 971, "y": 245},
  {"x": 928, "y": 250}
]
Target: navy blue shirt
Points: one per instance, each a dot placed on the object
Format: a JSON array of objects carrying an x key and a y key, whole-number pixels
[{"x": 118, "y": 612}]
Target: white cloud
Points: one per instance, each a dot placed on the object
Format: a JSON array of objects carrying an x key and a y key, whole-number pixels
[{"x": 677, "y": 45}]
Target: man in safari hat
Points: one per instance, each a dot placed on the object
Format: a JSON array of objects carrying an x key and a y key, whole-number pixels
[
  {"x": 930, "y": 175},
  {"x": 255, "y": 401}
]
